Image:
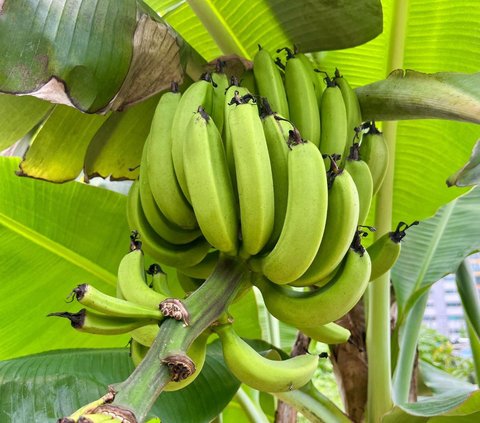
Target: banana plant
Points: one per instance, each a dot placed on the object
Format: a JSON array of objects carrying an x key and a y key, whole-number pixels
[{"x": 94, "y": 60}]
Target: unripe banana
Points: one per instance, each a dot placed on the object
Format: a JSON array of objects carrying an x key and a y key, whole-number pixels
[
  {"x": 269, "y": 81},
  {"x": 159, "y": 165},
  {"x": 157, "y": 220},
  {"x": 209, "y": 184},
  {"x": 340, "y": 227},
  {"x": 261, "y": 373},
  {"x": 374, "y": 151},
  {"x": 227, "y": 136},
  {"x": 333, "y": 117},
  {"x": 352, "y": 107},
  {"x": 330, "y": 333},
  {"x": 317, "y": 80},
  {"x": 276, "y": 130},
  {"x": 324, "y": 305},
  {"x": 145, "y": 335},
  {"x": 159, "y": 280},
  {"x": 302, "y": 100},
  {"x": 138, "y": 351},
  {"x": 305, "y": 218},
  {"x": 220, "y": 86},
  {"x": 203, "y": 269},
  {"x": 360, "y": 173},
  {"x": 91, "y": 297},
  {"x": 385, "y": 251},
  {"x": 200, "y": 93},
  {"x": 162, "y": 251},
  {"x": 187, "y": 283},
  {"x": 253, "y": 172},
  {"x": 90, "y": 322},
  {"x": 132, "y": 282},
  {"x": 248, "y": 81}
]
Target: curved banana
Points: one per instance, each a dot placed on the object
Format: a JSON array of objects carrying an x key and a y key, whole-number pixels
[
  {"x": 132, "y": 282},
  {"x": 90, "y": 322},
  {"x": 361, "y": 175},
  {"x": 330, "y": 333},
  {"x": 200, "y": 93},
  {"x": 220, "y": 86},
  {"x": 248, "y": 81},
  {"x": 385, "y": 251},
  {"x": 145, "y": 335},
  {"x": 276, "y": 130},
  {"x": 159, "y": 280},
  {"x": 302, "y": 100},
  {"x": 203, "y": 269},
  {"x": 261, "y": 373},
  {"x": 209, "y": 184},
  {"x": 159, "y": 165},
  {"x": 269, "y": 81},
  {"x": 340, "y": 227},
  {"x": 352, "y": 107},
  {"x": 305, "y": 217},
  {"x": 162, "y": 251},
  {"x": 188, "y": 283},
  {"x": 91, "y": 297},
  {"x": 333, "y": 117},
  {"x": 197, "y": 353},
  {"x": 374, "y": 151},
  {"x": 317, "y": 80},
  {"x": 253, "y": 172},
  {"x": 227, "y": 136},
  {"x": 157, "y": 220},
  {"x": 324, "y": 305}
]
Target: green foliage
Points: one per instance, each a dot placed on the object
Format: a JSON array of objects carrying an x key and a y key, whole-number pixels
[{"x": 436, "y": 349}]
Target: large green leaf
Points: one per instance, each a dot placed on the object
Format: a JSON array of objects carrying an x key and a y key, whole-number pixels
[
  {"x": 54, "y": 384},
  {"x": 53, "y": 238},
  {"x": 18, "y": 115},
  {"x": 217, "y": 27},
  {"x": 90, "y": 54},
  {"x": 427, "y": 250},
  {"x": 59, "y": 146},
  {"x": 438, "y": 36}
]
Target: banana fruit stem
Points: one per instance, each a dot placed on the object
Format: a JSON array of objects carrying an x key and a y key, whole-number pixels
[{"x": 139, "y": 392}]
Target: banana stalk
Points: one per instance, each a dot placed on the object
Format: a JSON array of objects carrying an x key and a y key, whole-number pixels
[{"x": 139, "y": 392}]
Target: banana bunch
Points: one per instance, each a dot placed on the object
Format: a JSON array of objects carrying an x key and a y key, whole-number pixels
[{"x": 282, "y": 175}]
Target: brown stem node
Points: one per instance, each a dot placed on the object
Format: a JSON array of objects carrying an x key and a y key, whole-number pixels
[
  {"x": 180, "y": 366},
  {"x": 172, "y": 307}
]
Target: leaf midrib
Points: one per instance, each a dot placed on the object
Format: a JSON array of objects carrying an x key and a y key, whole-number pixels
[{"x": 58, "y": 249}]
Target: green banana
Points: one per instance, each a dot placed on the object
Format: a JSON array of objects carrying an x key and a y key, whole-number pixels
[
  {"x": 276, "y": 130},
  {"x": 91, "y": 322},
  {"x": 188, "y": 283},
  {"x": 330, "y": 333},
  {"x": 305, "y": 217},
  {"x": 261, "y": 373},
  {"x": 162, "y": 251},
  {"x": 203, "y": 269},
  {"x": 361, "y": 175},
  {"x": 326, "y": 304},
  {"x": 138, "y": 351},
  {"x": 209, "y": 184},
  {"x": 220, "y": 86},
  {"x": 385, "y": 251},
  {"x": 340, "y": 227},
  {"x": 253, "y": 174},
  {"x": 159, "y": 280},
  {"x": 132, "y": 282},
  {"x": 352, "y": 107},
  {"x": 248, "y": 81},
  {"x": 269, "y": 81},
  {"x": 200, "y": 93},
  {"x": 91, "y": 297},
  {"x": 145, "y": 335},
  {"x": 333, "y": 117},
  {"x": 317, "y": 80},
  {"x": 157, "y": 220},
  {"x": 374, "y": 151},
  {"x": 159, "y": 165},
  {"x": 302, "y": 100},
  {"x": 227, "y": 136}
]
